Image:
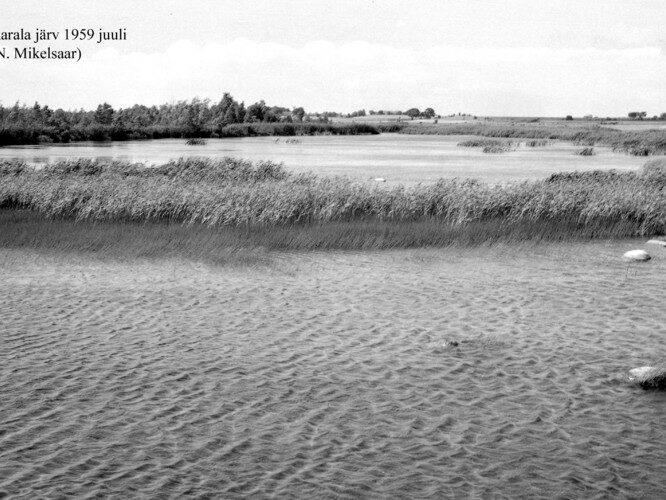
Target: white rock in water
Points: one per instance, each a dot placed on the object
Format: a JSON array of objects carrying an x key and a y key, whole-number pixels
[
  {"x": 648, "y": 377},
  {"x": 640, "y": 372},
  {"x": 636, "y": 256},
  {"x": 658, "y": 242},
  {"x": 379, "y": 179}
]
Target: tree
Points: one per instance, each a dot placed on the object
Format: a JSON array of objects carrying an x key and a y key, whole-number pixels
[
  {"x": 569, "y": 118},
  {"x": 239, "y": 112},
  {"x": 256, "y": 112},
  {"x": 637, "y": 115},
  {"x": 413, "y": 113},
  {"x": 229, "y": 115},
  {"x": 298, "y": 114},
  {"x": 428, "y": 113},
  {"x": 104, "y": 114},
  {"x": 226, "y": 102},
  {"x": 360, "y": 112}
]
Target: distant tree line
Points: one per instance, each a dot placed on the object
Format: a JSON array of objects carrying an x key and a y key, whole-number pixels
[
  {"x": 642, "y": 115},
  {"x": 412, "y": 113},
  {"x": 21, "y": 124}
]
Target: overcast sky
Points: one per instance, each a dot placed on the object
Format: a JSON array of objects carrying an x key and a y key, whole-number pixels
[{"x": 490, "y": 57}]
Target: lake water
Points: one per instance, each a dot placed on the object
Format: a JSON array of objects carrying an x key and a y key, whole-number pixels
[
  {"x": 398, "y": 158},
  {"x": 332, "y": 375}
]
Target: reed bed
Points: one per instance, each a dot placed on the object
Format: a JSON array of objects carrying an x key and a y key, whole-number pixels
[
  {"x": 643, "y": 143},
  {"x": 485, "y": 143},
  {"x": 196, "y": 142},
  {"x": 497, "y": 149},
  {"x": 295, "y": 129},
  {"x": 538, "y": 143},
  {"x": 585, "y": 152},
  {"x": 264, "y": 197},
  {"x": 389, "y": 127},
  {"x": 585, "y": 142},
  {"x": 27, "y": 229},
  {"x": 655, "y": 170}
]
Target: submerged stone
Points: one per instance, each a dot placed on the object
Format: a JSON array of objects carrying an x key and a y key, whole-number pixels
[
  {"x": 636, "y": 256},
  {"x": 658, "y": 242}
]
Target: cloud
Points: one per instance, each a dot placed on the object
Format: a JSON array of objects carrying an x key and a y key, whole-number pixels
[{"x": 322, "y": 75}]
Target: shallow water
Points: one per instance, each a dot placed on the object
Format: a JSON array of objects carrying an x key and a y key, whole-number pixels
[
  {"x": 330, "y": 374},
  {"x": 405, "y": 159}
]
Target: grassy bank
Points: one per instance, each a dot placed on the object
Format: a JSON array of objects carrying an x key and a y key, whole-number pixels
[
  {"x": 265, "y": 205},
  {"x": 643, "y": 143}
]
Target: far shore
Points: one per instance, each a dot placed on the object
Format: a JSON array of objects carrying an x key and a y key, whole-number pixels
[{"x": 636, "y": 141}]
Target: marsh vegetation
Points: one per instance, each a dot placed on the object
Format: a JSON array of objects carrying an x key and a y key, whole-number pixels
[
  {"x": 637, "y": 143},
  {"x": 268, "y": 205},
  {"x": 487, "y": 143},
  {"x": 196, "y": 142}
]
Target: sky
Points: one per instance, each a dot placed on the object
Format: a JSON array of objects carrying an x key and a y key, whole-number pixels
[{"x": 483, "y": 57}]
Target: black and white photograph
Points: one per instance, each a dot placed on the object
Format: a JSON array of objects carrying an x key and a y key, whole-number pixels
[{"x": 317, "y": 249}]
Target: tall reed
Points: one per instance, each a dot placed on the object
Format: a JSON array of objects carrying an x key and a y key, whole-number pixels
[{"x": 241, "y": 194}]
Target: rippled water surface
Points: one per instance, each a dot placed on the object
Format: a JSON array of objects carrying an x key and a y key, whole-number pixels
[
  {"x": 405, "y": 159},
  {"x": 332, "y": 374}
]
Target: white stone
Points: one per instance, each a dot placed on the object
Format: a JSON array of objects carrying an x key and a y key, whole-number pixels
[
  {"x": 641, "y": 372},
  {"x": 379, "y": 179},
  {"x": 649, "y": 377},
  {"x": 658, "y": 242},
  {"x": 636, "y": 256}
]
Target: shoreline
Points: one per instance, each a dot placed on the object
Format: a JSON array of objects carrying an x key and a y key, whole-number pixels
[{"x": 648, "y": 142}]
